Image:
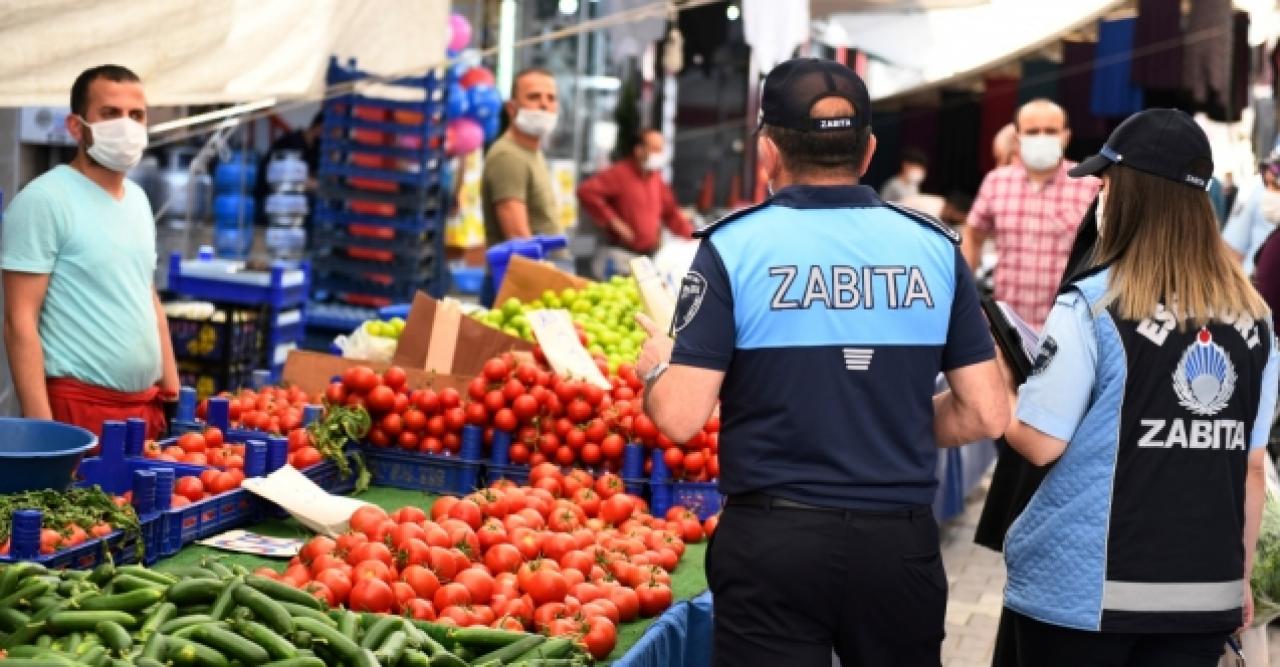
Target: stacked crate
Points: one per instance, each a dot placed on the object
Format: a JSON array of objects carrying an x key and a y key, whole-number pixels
[{"x": 380, "y": 205}]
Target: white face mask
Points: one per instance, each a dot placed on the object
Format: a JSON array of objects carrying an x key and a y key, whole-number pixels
[
  {"x": 1270, "y": 206},
  {"x": 536, "y": 122},
  {"x": 915, "y": 176},
  {"x": 655, "y": 162},
  {"x": 1101, "y": 210},
  {"x": 1041, "y": 152},
  {"x": 117, "y": 143}
]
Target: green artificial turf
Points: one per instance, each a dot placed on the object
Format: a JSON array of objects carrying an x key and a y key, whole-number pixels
[{"x": 688, "y": 581}]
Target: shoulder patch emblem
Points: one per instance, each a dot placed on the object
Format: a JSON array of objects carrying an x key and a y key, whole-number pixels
[
  {"x": 1048, "y": 350},
  {"x": 692, "y": 291}
]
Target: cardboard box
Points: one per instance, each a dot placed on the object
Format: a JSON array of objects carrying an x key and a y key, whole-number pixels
[
  {"x": 526, "y": 279},
  {"x": 312, "y": 372},
  {"x": 438, "y": 337}
]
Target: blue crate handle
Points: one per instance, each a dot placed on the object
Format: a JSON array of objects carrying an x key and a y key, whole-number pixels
[{"x": 400, "y": 310}]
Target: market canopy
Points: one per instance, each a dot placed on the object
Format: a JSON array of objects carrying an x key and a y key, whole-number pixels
[
  {"x": 918, "y": 45},
  {"x": 212, "y": 51}
]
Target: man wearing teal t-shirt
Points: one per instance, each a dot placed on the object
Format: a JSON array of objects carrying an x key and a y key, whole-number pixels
[{"x": 86, "y": 335}]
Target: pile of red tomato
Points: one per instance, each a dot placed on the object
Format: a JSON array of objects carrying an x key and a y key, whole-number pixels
[
  {"x": 567, "y": 555},
  {"x": 551, "y": 419},
  {"x": 272, "y": 410}
]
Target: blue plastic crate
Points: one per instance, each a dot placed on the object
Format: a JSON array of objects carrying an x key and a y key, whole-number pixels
[
  {"x": 514, "y": 472},
  {"x": 117, "y": 479},
  {"x": 702, "y": 497},
  {"x": 416, "y": 243},
  {"x": 122, "y": 547},
  {"x": 422, "y": 472},
  {"x": 281, "y": 287},
  {"x": 326, "y": 216},
  {"x": 238, "y": 339},
  {"x": 211, "y": 516}
]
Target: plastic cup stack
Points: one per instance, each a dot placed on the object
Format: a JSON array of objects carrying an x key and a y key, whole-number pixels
[
  {"x": 186, "y": 404},
  {"x": 135, "y": 435},
  {"x": 219, "y": 413},
  {"x": 113, "y": 437},
  {"x": 261, "y": 378},
  {"x": 633, "y": 461},
  {"x": 660, "y": 485},
  {"x": 311, "y": 413},
  {"x": 255, "y": 459},
  {"x": 26, "y": 534},
  {"x": 164, "y": 488},
  {"x": 277, "y": 453},
  {"x": 501, "y": 454},
  {"x": 144, "y": 492},
  {"x": 472, "y": 443}
]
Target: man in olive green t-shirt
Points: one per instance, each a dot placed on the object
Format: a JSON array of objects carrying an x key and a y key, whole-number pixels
[{"x": 516, "y": 187}]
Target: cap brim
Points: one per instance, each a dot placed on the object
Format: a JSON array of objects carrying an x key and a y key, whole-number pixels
[{"x": 1090, "y": 167}]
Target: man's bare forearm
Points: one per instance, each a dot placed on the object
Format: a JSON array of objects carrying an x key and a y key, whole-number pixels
[{"x": 26, "y": 365}]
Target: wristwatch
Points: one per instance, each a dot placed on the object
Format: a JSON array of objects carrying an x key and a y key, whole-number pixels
[{"x": 654, "y": 373}]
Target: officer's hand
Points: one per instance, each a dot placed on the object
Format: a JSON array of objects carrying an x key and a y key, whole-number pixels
[{"x": 656, "y": 350}]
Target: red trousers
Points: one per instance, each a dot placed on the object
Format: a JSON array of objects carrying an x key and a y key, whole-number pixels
[{"x": 87, "y": 406}]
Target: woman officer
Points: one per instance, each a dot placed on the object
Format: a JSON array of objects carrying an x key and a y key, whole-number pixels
[{"x": 1152, "y": 396}]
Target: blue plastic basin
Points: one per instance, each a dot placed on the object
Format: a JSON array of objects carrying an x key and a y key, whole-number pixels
[{"x": 39, "y": 454}]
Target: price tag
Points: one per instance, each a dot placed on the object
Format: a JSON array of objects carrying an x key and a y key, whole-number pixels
[
  {"x": 311, "y": 505},
  {"x": 245, "y": 542},
  {"x": 658, "y": 300},
  {"x": 559, "y": 340}
]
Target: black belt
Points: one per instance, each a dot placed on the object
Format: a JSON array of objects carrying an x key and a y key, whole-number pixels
[{"x": 769, "y": 502}]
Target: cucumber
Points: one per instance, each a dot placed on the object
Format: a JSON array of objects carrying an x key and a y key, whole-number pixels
[
  {"x": 231, "y": 645},
  {"x": 412, "y": 658},
  {"x": 190, "y": 572},
  {"x": 447, "y": 659},
  {"x": 281, "y": 592},
  {"x": 519, "y": 648},
  {"x": 95, "y": 655},
  {"x": 26, "y": 592},
  {"x": 69, "y": 643},
  {"x": 226, "y": 600},
  {"x": 187, "y": 632},
  {"x": 144, "y": 573},
  {"x": 348, "y": 624},
  {"x": 302, "y": 639},
  {"x": 344, "y": 649},
  {"x": 46, "y": 660},
  {"x": 555, "y": 648},
  {"x": 158, "y": 617},
  {"x": 195, "y": 591},
  {"x": 300, "y": 611},
  {"x": 155, "y": 648},
  {"x": 70, "y": 621},
  {"x": 115, "y": 637},
  {"x": 46, "y": 601},
  {"x": 218, "y": 569},
  {"x": 183, "y": 652},
  {"x": 27, "y": 651},
  {"x": 11, "y": 619},
  {"x": 147, "y": 662},
  {"x": 175, "y": 624},
  {"x": 25, "y": 635},
  {"x": 103, "y": 573},
  {"x": 124, "y": 583},
  {"x": 390, "y": 651},
  {"x": 132, "y": 601},
  {"x": 309, "y": 661},
  {"x": 46, "y": 641},
  {"x": 379, "y": 631},
  {"x": 485, "y": 639},
  {"x": 203, "y": 609},
  {"x": 278, "y": 647},
  {"x": 269, "y": 612}
]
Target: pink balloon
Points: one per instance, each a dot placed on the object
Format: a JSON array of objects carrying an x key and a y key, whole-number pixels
[
  {"x": 462, "y": 136},
  {"x": 459, "y": 32}
]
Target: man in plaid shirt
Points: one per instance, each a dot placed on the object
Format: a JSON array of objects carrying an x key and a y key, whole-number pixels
[{"x": 1032, "y": 210}]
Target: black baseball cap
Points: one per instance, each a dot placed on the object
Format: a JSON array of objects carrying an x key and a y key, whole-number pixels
[
  {"x": 1161, "y": 142},
  {"x": 793, "y": 87}
]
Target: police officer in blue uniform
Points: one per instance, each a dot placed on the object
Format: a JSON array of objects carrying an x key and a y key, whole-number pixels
[
  {"x": 821, "y": 320},
  {"x": 1152, "y": 396}
]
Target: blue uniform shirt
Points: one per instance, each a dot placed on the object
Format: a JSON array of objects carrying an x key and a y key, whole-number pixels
[{"x": 831, "y": 314}]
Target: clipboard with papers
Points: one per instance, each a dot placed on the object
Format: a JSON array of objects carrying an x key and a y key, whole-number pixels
[{"x": 1017, "y": 340}]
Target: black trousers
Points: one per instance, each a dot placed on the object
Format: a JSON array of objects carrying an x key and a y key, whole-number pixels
[
  {"x": 791, "y": 585},
  {"x": 1044, "y": 645}
]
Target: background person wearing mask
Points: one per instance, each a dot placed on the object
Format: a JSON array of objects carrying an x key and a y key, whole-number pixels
[
  {"x": 906, "y": 183},
  {"x": 1032, "y": 210},
  {"x": 516, "y": 185},
  {"x": 87, "y": 337},
  {"x": 1247, "y": 227},
  {"x": 631, "y": 202},
  {"x": 846, "y": 308},
  {"x": 1109, "y": 564}
]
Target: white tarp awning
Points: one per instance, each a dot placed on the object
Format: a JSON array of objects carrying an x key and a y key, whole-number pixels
[
  {"x": 917, "y": 48},
  {"x": 212, "y": 51}
]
